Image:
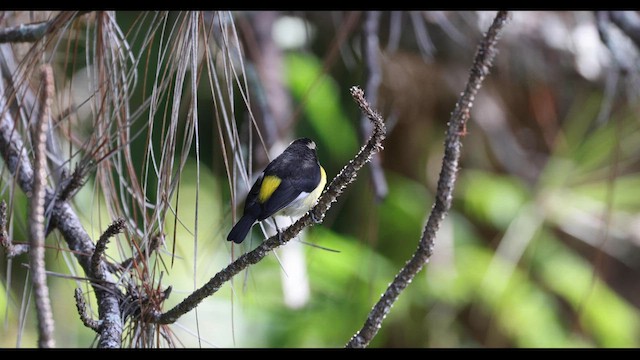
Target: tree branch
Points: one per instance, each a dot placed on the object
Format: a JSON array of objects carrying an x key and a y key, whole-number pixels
[
  {"x": 82, "y": 311},
  {"x": 29, "y": 32},
  {"x": 36, "y": 215},
  {"x": 70, "y": 184},
  {"x": 24, "y": 32},
  {"x": 346, "y": 176},
  {"x": 446, "y": 182},
  {"x": 371, "y": 48},
  {"x": 65, "y": 219},
  {"x": 5, "y": 241},
  {"x": 97, "y": 265}
]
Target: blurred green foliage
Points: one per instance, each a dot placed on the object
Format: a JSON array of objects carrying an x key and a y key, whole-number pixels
[
  {"x": 506, "y": 272},
  {"x": 323, "y": 112}
]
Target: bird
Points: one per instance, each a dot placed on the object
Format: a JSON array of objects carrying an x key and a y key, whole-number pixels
[{"x": 290, "y": 185}]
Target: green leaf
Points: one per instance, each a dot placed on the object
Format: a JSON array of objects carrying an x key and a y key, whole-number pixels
[
  {"x": 403, "y": 214},
  {"x": 494, "y": 199},
  {"x": 518, "y": 308},
  {"x": 626, "y": 192},
  {"x": 604, "y": 315}
]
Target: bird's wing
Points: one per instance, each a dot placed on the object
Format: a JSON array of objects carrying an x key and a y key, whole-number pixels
[
  {"x": 284, "y": 194},
  {"x": 251, "y": 202},
  {"x": 286, "y": 190}
]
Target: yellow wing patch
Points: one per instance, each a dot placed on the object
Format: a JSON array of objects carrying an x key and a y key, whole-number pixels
[{"x": 269, "y": 185}]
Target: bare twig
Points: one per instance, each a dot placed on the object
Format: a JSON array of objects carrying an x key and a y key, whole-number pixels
[
  {"x": 97, "y": 267},
  {"x": 315, "y": 215},
  {"x": 371, "y": 49},
  {"x": 82, "y": 311},
  {"x": 37, "y": 218},
  {"x": 70, "y": 184},
  {"x": 29, "y": 32},
  {"x": 452, "y": 145},
  {"x": 5, "y": 241}
]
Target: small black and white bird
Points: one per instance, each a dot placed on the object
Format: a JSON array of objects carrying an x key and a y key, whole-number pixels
[{"x": 290, "y": 185}]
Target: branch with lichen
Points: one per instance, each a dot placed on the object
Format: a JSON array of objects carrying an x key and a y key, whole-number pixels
[
  {"x": 70, "y": 184},
  {"x": 346, "y": 176},
  {"x": 446, "y": 182},
  {"x": 11, "y": 250},
  {"x": 36, "y": 31},
  {"x": 36, "y": 226},
  {"x": 97, "y": 264},
  {"x": 82, "y": 311}
]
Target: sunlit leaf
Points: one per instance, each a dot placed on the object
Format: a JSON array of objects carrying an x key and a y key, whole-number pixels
[
  {"x": 609, "y": 319},
  {"x": 492, "y": 198}
]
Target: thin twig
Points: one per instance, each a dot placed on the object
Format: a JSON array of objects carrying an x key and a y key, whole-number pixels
[
  {"x": 5, "y": 241},
  {"x": 315, "y": 215},
  {"x": 82, "y": 311},
  {"x": 97, "y": 266},
  {"x": 371, "y": 50},
  {"x": 36, "y": 215},
  {"x": 29, "y": 32},
  {"x": 452, "y": 145},
  {"x": 70, "y": 184}
]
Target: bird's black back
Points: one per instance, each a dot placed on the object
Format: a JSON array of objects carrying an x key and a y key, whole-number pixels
[{"x": 299, "y": 170}]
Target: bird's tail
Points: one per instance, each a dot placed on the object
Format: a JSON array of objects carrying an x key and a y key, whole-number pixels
[{"x": 241, "y": 229}]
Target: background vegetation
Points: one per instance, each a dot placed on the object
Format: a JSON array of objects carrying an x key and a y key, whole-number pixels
[{"x": 540, "y": 248}]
